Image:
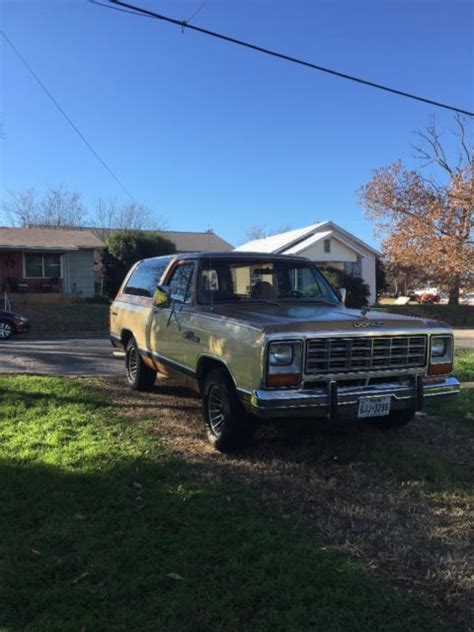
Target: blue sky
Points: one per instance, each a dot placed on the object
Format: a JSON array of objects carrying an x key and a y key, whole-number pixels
[{"x": 211, "y": 135}]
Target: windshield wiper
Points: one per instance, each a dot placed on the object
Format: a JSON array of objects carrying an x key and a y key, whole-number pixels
[
  {"x": 323, "y": 301},
  {"x": 268, "y": 301}
]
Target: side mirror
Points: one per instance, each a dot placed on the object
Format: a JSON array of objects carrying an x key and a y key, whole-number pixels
[
  {"x": 162, "y": 296},
  {"x": 343, "y": 294}
]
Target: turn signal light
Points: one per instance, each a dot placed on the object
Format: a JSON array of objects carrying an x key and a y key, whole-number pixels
[
  {"x": 438, "y": 369},
  {"x": 282, "y": 379}
]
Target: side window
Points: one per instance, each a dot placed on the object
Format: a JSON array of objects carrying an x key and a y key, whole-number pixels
[
  {"x": 180, "y": 283},
  {"x": 146, "y": 277}
]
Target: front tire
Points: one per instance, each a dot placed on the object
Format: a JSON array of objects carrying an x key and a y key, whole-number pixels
[
  {"x": 140, "y": 377},
  {"x": 394, "y": 420},
  {"x": 228, "y": 426},
  {"x": 7, "y": 329}
]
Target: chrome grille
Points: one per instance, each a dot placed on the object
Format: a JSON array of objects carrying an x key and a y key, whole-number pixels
[{"x": 341, "y": 355}]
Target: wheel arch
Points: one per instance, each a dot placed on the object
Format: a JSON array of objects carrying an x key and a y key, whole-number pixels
[
  {"x": 208, "y": 363},
  {"x": 125, "y": 336}
]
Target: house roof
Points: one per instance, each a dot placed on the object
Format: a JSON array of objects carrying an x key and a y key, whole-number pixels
[
  {"x": 295, "y": 241},
  {"x": 184, "y": 241},
  {"x": 275, "y": 243},
  {"x": 307, "y": 242},
  {"x": 48, "y": 239}
]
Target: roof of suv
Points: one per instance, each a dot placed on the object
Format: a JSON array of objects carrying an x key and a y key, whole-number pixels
[{"x": 240, "y": 256}]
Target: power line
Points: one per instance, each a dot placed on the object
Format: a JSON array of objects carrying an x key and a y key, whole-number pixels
[
  {"x": 266, "y": 51},
  {"x": 65, "y": 115},
  {"x": 107, "y": 6}
]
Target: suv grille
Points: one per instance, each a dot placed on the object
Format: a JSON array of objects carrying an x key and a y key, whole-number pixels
[{"x": 340, "y": 355}]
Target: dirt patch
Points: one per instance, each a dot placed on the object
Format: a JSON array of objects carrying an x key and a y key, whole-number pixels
[{"x": 416, "y": 535}]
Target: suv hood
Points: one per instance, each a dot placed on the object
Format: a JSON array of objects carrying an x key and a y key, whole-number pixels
[{"x": 313, "y": 318}]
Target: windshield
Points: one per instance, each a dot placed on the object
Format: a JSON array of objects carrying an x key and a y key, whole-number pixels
[{"x": 230, "y": 281}]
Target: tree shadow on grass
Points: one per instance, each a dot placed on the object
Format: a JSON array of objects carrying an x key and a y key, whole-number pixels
[
  {"x": 386, "y": 498},
  {"x": 144, "y": 545}
]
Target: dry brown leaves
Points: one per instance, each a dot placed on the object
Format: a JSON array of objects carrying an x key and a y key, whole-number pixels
[{"x": 415, "y": 537}]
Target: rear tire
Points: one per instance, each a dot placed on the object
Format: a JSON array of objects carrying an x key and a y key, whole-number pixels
[
  {"x": 392, "y": 421},
  {"x": 7, "y": 329},
  {"x": 228, "y": 425},
  {"x": 140, "y": 377}
]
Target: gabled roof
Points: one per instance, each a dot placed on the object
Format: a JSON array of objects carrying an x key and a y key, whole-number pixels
[
  {"x": 295, "y": 241},
  {"x": 279, "y": 242},
  {"x": 307, "y": 242},
  {"x": 183, "y": 240},
  {"x": 48, "y": 239}
]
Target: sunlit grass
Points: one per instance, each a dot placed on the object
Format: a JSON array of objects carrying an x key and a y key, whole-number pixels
[{"x": 102, "y": 530}]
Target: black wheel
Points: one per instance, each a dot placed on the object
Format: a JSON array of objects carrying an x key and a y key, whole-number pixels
[
  {"x": 140, "y": 377},
  {"x": 7, "y": 329},
  {"x": 228, "y": 426},
  {"x": 394, "y": 420}
]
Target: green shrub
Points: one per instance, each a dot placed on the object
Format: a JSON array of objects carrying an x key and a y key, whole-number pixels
[
  {"x": 358, "y": 292},
  {"x": 125, "y": 248}
]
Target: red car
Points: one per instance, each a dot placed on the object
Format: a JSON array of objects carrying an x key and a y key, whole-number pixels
[
  {"x": 12, "y": 323},
  {"x": 429, "y": 297}
]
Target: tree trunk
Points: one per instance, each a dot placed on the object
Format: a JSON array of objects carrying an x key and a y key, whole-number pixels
[{"x": 454, "y": 290}]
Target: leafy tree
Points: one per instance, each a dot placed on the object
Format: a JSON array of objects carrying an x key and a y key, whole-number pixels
[
  {"x": 125, "y": 248},
  {"x": 358, "y": 292},
  {"x": 427, "y": 224}
]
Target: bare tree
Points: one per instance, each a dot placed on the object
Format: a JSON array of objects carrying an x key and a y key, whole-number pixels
[
  {"x": 58, "y": 208},
  {"x": 21, "y": 209},
  {"x": 260, "y": 232},
  {"x": 132, "y": 216}
]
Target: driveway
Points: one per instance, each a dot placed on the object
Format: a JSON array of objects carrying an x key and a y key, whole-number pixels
[
  {"x": 59, "y": 356},
  {"x": 464, "y": 338}
]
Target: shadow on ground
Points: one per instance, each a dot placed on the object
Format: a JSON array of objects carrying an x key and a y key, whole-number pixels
[{"x": 397, "y": 502}]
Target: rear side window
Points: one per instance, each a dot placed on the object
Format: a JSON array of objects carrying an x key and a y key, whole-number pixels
[
  {"x": 146, "y": 277},
  {"x": 180, "y": 283}
]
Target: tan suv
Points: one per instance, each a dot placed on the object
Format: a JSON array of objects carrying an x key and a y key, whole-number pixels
[{"x": 267, "y": 336}]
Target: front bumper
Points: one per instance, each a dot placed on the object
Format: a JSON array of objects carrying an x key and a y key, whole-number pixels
[
  {"x": 22, "y": 326},
  {"x": 343, "y": 401}
]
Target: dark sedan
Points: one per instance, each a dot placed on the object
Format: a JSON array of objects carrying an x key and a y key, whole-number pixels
[{"x": 12, "y": 323}]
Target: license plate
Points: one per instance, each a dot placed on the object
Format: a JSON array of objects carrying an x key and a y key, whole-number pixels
[{"x": 374, "y": 406}]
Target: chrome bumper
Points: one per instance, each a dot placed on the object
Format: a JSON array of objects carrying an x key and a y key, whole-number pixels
[{"x": 342, "y": 401}]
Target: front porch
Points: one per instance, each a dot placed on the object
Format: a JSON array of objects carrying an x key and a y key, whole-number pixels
[{"x": 31, "y": 273}]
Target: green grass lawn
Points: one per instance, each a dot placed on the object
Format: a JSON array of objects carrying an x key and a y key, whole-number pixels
[
  {"x": 103, "y": 530},
  {"x": 459, "y": 410},
  {"x": 73, "y": 319},
  {"x": 464, "y": 365}
]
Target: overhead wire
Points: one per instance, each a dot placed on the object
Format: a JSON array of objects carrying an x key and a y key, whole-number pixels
[
  {"x": 65, "y": 115},
  {"x": 184, "y": 24}
]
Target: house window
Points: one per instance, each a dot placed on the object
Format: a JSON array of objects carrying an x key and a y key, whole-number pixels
[
  {"x": 39, "y": 266},
  {"x": 327, "y": 245},
  {"x": 354, "y": 268},
  {"x": 52, "y": 266}
]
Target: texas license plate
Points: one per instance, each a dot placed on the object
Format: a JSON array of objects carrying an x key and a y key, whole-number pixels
[{"x": 374, "y": 406}]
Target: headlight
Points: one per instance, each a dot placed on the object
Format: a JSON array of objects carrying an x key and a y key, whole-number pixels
[
  {"x": 280, "y": 354},
  {"x": 441, "y": 354},
  {"x": 438, "y": 347},
  {"x": 284, "y": 364}
]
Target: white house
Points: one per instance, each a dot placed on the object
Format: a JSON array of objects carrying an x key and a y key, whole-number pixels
[{"x": 326, "y": 244}]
